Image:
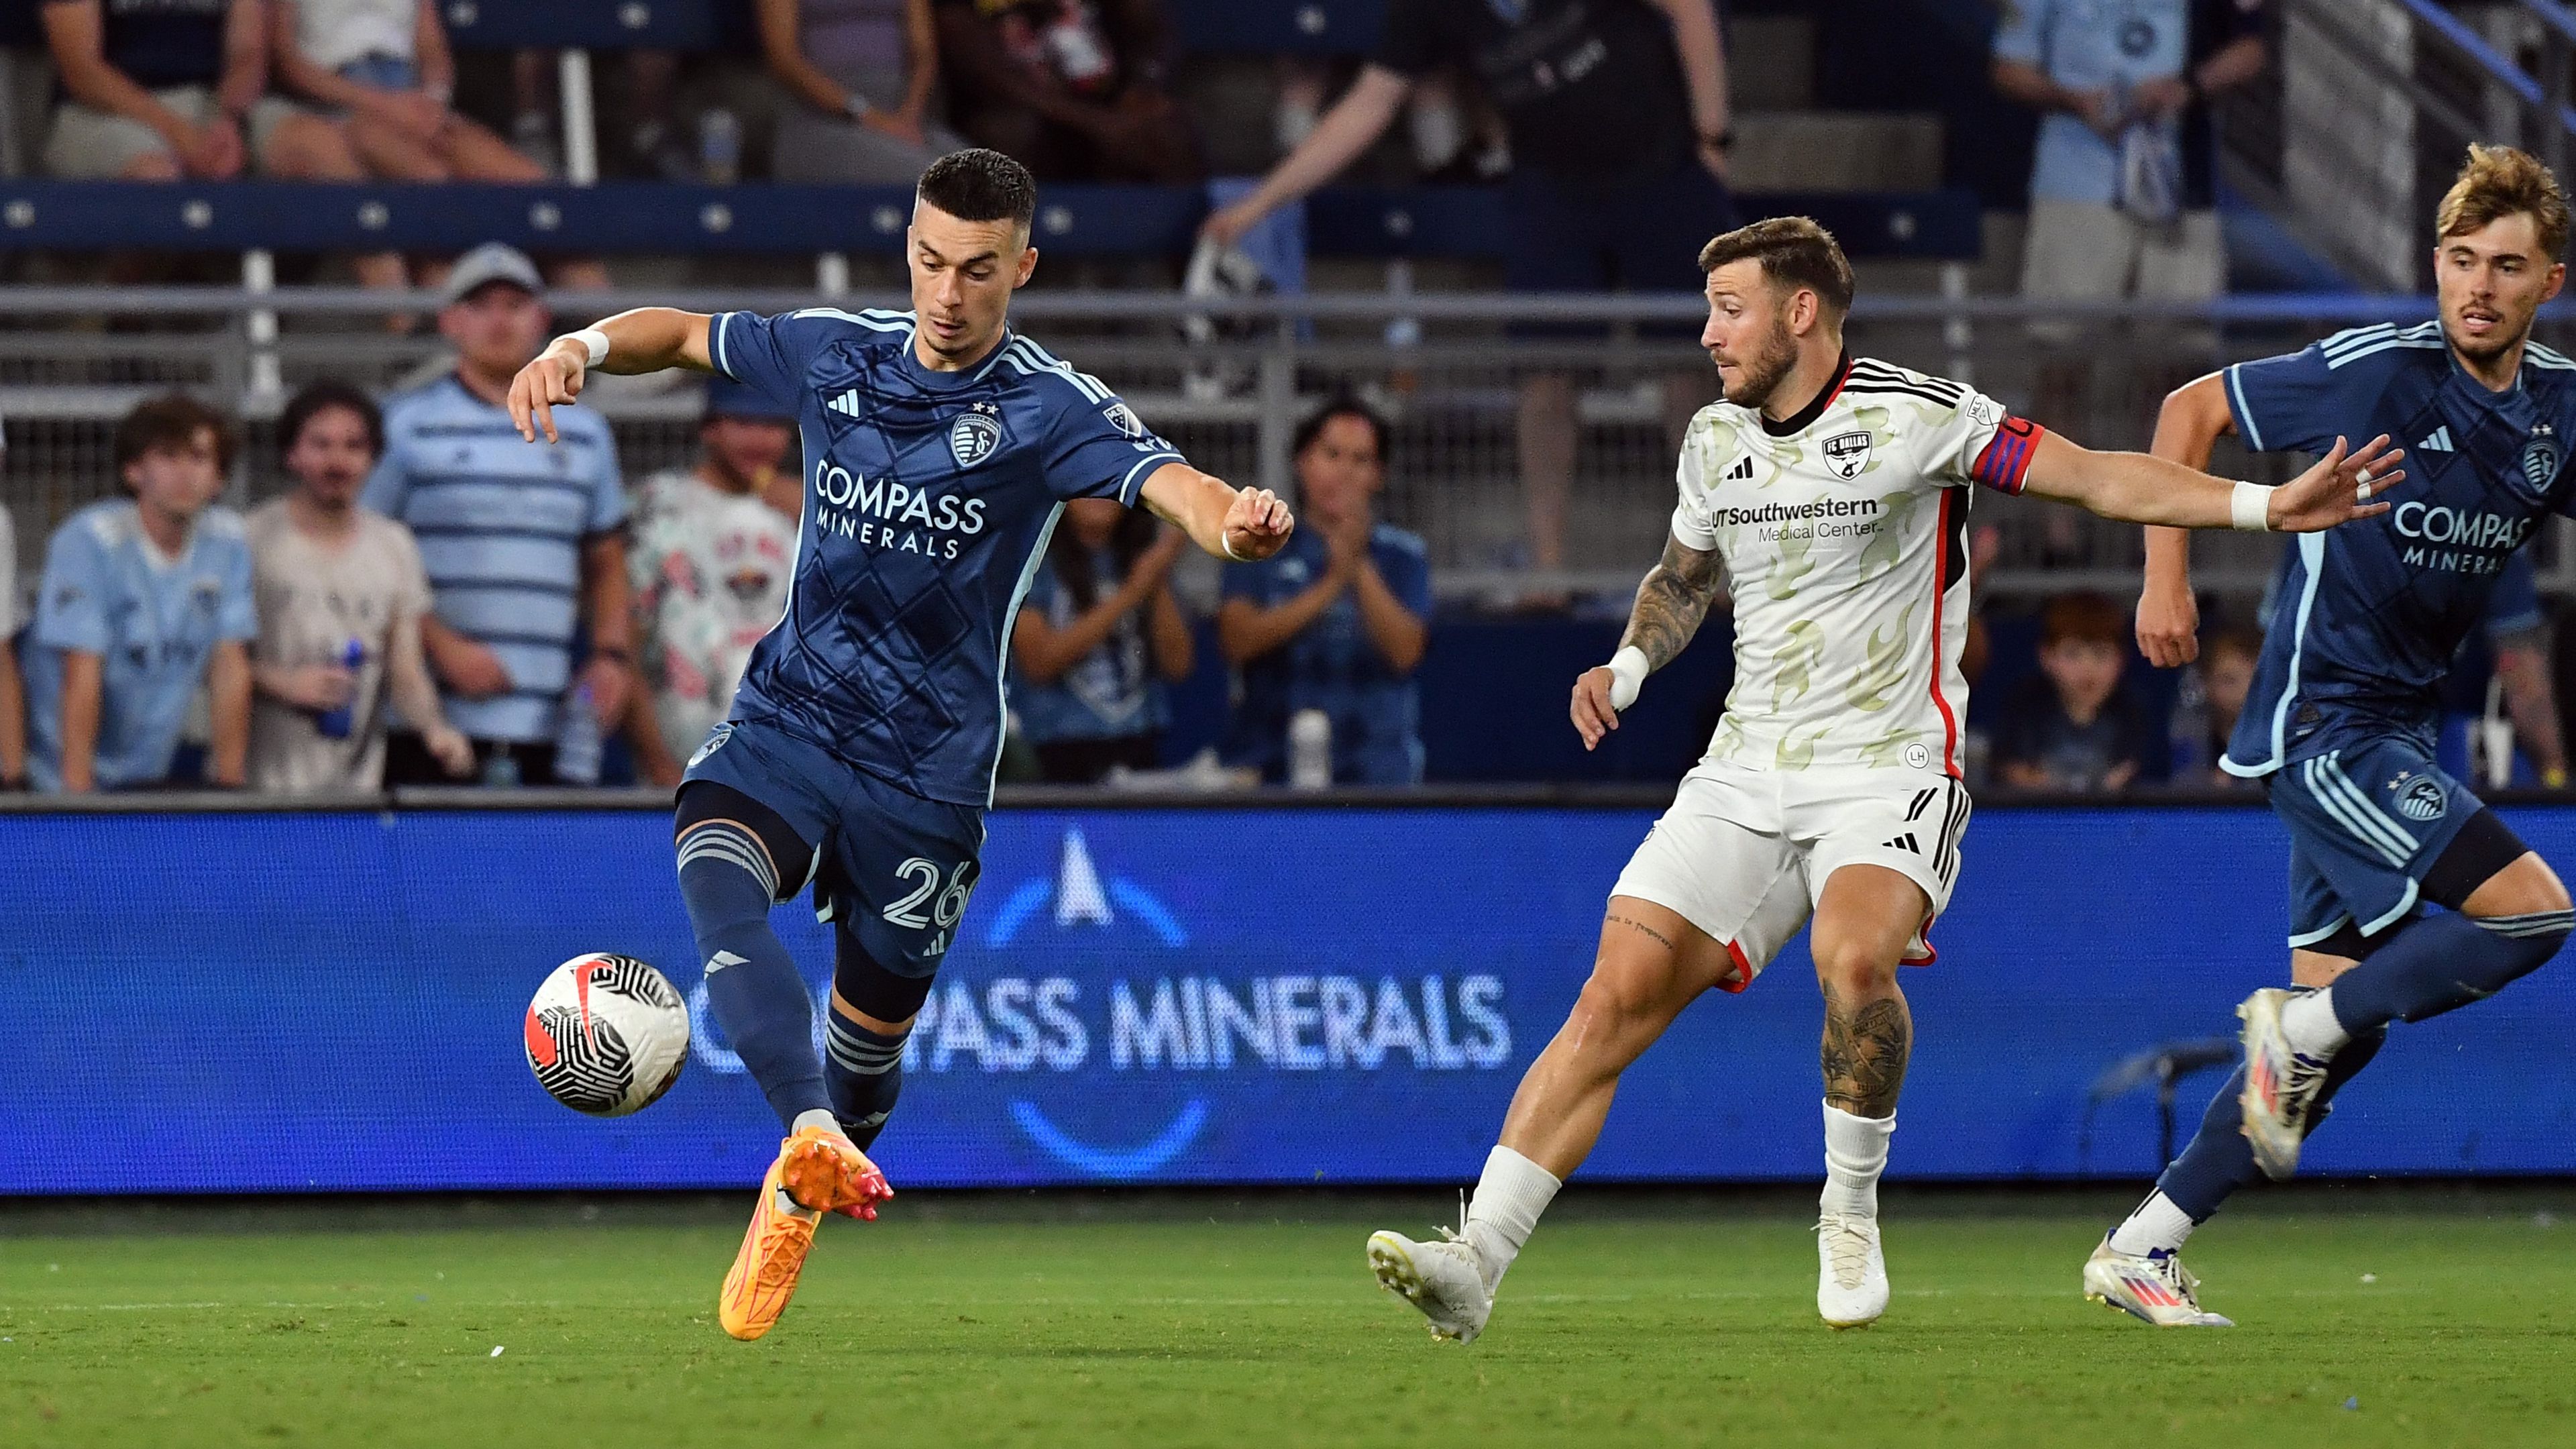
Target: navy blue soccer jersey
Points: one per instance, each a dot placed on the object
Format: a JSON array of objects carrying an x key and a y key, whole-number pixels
[
  {"x": 928, "y": 500},
  {"x": 2371, "y": 614}
]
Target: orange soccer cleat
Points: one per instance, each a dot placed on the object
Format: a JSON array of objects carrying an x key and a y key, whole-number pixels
[{"x": 819, "y": 1171}]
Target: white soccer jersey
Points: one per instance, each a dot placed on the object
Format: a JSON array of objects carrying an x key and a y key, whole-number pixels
[{"x": 1844, "y": 533}]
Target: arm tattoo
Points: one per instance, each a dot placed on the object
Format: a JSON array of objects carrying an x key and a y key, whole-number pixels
[
  {"x": 1864, "y": 1053},
  {"x": 1671, "y": 602}
]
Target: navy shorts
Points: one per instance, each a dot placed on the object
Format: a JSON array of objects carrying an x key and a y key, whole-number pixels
[
  {"x": 890, "y": 868},
  {"x": 2366, "y": 821},
  {"x": 1639, "y": 236}
]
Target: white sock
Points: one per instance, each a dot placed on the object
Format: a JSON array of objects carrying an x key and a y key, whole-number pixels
[
  {"x": 816, "y": 1117},
  {"x": 2308, "y": 1023},
  {"x": 1509, "y": 1198},
  {"x": 1855, "y": 1154},
  {"x": 2156, "y": 1224}
]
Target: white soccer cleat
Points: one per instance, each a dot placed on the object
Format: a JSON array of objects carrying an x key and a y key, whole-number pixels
[
  {"x": 1444, "y": 1280},
  {"x": 2281, "y": 1085},
  {"x": 1851, "y": 1274},
  {"x": 2154, "y": 1287}
]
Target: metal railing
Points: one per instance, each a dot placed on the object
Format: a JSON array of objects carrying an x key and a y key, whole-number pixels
[{"x": 73, "y": 359}]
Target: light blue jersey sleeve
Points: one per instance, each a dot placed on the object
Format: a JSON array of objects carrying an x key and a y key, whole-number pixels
[
  {"x": 388, "y": 488},
  {"x": 77, "y": 594},
  {"x": 608, "y": 488},
  {"x": 2292, "y": 403},
  {"x": 1096, "y": 446},
  {"x": 2022, "y": 34},
  {"x": 237, "y": 610}
]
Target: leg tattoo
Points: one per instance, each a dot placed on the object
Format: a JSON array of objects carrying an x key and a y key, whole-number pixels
[{"x": 1864, "y": 1053}]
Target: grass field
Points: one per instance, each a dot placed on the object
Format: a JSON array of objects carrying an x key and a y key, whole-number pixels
[{"x": 2421, "y": 1318}]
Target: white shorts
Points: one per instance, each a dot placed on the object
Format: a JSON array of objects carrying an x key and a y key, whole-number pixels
[{"x": 1743, "y": 854}]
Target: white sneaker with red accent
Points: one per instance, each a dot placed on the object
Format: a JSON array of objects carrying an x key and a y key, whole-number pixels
[
  {"x": 2154, "y": 1287},
  {"x": 2281, "y": 1085}
]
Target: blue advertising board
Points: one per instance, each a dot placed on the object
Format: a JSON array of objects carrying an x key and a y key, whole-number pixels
[{"x": 332, "y": 1002}]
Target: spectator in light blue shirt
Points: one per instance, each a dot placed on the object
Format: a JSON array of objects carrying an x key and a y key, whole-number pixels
[
  {"x": 1096, "y": 638},
  {"x": 2121, "y": 190},
  {"x": 144, "y": 601},
  {"x": 1337, "y": 620},
  {"x": 524, "y": 545}
]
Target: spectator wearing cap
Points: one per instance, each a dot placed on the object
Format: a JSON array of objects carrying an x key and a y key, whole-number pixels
[
  {"x": 862, "y": 72},
  {"x": 1337, "y": 620},
  {"x": 524, "y": 544},
  {"x": 341, "y": 594},
  {"x": 145, "y": 601},
  {"x": 715, "y": 545},
  {"x": 13, "y": 694}
]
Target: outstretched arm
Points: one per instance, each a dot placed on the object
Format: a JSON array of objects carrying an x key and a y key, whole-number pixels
[
  {"x": 2142, "y": 488},
  {"x": 2191, "y": 422},
  {"x": 647, "y": 339},
  {"x": 1671, "y": 602},
  {"x": 1243, "y": 524}
]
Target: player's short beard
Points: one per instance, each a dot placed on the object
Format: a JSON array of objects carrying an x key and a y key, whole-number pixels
[{"x": 1764, "y": 370}]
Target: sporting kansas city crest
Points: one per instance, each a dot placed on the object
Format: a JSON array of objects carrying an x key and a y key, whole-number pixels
[
  {"x": 1847, "y": 453},
  {"x": 2540, "y": 458},
  {"x": 973, "y": 437}
]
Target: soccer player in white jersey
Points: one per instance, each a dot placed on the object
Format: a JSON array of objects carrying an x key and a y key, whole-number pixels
[{"x": 1832, "y": 490}]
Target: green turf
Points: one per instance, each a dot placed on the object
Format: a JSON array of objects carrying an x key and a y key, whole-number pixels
[{"x": 1082, "y": 1321}]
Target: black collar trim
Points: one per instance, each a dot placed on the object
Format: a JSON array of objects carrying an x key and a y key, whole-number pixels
[{"x": 1805, "y": 417}]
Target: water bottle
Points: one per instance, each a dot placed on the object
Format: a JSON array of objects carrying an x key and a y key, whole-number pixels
[
  {"x": 720, "y": 146},
  {"x": 577, "y": 743},
  {"x": 1310, "y": 750},
  {"x": 2187, "y": 732},
  {"x": 335, "y": 724}
]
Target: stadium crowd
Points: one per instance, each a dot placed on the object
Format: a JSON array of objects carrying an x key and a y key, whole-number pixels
[{"x": 426, "y": 601}]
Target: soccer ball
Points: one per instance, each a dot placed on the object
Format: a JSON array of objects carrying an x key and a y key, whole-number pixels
[{"x": 607, "y": 1034}]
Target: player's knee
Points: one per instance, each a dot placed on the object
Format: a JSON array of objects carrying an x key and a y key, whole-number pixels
[
  {"x": 1612, "y": 998},
  {"x": 2527, "y": 887},
  {"x": 1852, "y": 966}
]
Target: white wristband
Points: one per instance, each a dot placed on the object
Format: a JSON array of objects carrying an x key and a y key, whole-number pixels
[
  {"x": 1628, "y": 670},
  {"x": 2249, "y": 509},
  {"x": 593, "y": 341}
]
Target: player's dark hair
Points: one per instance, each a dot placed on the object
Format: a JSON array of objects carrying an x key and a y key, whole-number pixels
[
  {"x": 1794, "y": 251},
  {"x": 2086, "y": 617},
  {"x": 172, "y": 421},
  {"x": 1072, "y": 562},
  {"x": 1339, "y": 405},
  {"x": 980, "y": 185},
  {"x": 318, "y": 398},
  {"x": 2499, "y": 181}
]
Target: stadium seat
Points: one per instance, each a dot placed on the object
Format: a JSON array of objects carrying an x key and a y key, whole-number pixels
[
  {"x": 648, "y": 217},
  {"x": 1311, "y": 27},
  {"x": 583, "y": 24}
]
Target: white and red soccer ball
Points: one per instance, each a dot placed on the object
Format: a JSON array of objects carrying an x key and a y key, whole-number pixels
[{"x": 607, "y": 1035}]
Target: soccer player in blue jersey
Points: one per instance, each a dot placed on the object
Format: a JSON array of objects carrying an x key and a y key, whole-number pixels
[
  {"x": 2340, "y": 725},
  {"x": 940, "y": 447}
]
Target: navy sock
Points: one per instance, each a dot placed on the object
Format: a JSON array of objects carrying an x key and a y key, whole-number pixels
[
  {"x": 727, "y": 883},
  {"x": 2218, "y": 1160},
  {"x": 864, "y": 1072},
  {"x": 2443, "y": 963}
]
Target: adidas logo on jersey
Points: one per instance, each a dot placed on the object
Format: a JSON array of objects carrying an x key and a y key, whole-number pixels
[
  {"x": 1742, "y": 472},
  {"x": 2438, "y": 442},
  {"x": 1903, "y": 842},
  {"x": 847, "y": 404}
]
